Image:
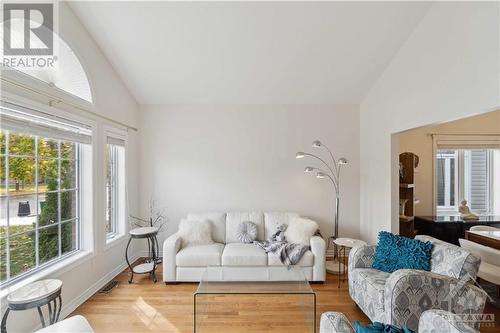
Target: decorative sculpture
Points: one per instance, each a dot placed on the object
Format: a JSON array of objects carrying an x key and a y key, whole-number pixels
[
  {"x": 402, "y": 206},
  {"x": 465, "y": 212}
]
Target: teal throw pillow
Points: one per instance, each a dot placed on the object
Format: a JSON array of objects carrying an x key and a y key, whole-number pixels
[
  {"x": 397, "y": 252},
  {"x": 377, "y": 327}
]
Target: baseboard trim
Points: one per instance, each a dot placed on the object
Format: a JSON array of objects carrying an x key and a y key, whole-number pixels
[{"x": 68, "y": 308}]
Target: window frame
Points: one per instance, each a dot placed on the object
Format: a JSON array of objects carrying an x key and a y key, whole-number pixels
[
  {"x": 460, "y": 142},
  {"x": 77, "y": 219},
  {"x": 18, "y": 78},
  {"x": 461, "y": 168},
  {"x": 450, "y": 208},
  {"x": 113, "y": 215},
  {"x": 118, "y": 222}
]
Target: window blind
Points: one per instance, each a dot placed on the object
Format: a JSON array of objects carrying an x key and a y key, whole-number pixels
[
  {"x": 478, "y": 180},
  {"x": 115, "y": 141},
  {"x": 21, "y": 119},
  {"x": 467, "y": 142}
]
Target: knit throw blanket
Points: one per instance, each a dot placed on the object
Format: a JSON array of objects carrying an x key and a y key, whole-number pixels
[{"x": 289, "y": 253}]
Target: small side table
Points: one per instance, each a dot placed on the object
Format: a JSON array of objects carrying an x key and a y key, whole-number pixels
[
  {"x": 342, "y": 245},
  {"x": 36, "y": 295},
  {"x": 150, "y": 233}
]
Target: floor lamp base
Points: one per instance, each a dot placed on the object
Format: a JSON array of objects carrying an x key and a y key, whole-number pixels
[{"x": 332, "y": 267}]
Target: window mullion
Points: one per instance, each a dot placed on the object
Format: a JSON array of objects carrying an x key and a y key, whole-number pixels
[
  {"x": 59, "y": 198},
  {"x": 447, "y": 171},
  {"x": 461, "y": 175},
  {"x": 78, "y": 158},
  {"x": 489, "y": 188},
  {"x": 115, "y": 188},
  {"x": 37, "y": 254},
  {"x": 7, "y": 192}
]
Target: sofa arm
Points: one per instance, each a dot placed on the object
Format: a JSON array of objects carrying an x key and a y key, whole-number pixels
[
  {"x": 409, "y": 292},
  {"x": 318, "y": 248},
  {"x": 362, "y": 257},
  {"x": 335, "y": 322},
  {"x": 171, "y": 246},
  {"x": 444, "y": 322}
]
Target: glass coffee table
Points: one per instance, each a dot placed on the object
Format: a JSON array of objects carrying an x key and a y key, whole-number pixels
[{"x": 243, "y": 299}]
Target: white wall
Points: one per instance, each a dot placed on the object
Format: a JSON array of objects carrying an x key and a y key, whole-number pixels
[
  {"x": 419, "y": 141},
  {"x": 240, "y": 158},
  {"x": 114, "y": 101},
  {"x": 447, "y": 69}
]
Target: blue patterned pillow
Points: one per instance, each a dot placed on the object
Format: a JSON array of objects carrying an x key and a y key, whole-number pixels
[
  {"x": 397, "y": 252},
  {"x": 377, "y": 327}
]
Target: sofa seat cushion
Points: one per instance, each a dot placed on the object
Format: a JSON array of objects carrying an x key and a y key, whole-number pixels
[
  {"x": 238, "y": 254},
  {"x": 200, "y": 255},
  {"x": 307, "y": 259},
  {"x": 371, "y": 283}
]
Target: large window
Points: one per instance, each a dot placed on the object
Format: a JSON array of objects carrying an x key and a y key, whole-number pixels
[
  {"x": 115, "y": 185},
  {"x": 466, "y": 174},
  {"x": 39, "y": 191}
]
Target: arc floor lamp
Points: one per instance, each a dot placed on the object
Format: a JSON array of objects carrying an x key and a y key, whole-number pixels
[{"x": 332, "y": 173}]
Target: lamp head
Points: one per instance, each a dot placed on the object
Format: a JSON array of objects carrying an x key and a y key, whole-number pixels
[
  {"x": 300, "y": 155},
  {"x": 316, "y": 143},
  {"x": 320, "y": 175},
  {"x": 308, "y": 169},
  {"x": 342, "y": 161}
]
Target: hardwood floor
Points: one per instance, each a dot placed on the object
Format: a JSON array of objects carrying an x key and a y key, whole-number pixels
[{"x": 147, "y": 307}]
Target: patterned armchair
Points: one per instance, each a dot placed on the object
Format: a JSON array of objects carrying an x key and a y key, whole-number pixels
[
  {"x": 400, "y": 298},
  {"x": 431, "y": 321}
]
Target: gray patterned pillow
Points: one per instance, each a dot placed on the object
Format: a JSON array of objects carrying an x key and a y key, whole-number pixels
[{"x": 247, "y": 232}]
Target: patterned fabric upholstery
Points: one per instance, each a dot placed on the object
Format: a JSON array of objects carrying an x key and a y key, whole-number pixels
[
  {"x": 362, "y": 257},
  {"x": 451, "y": 260},
  {"x": 335, "y": 322},
  {"x": 400, "y": 298},
  {"x": 439, "y": 321},
  {"x": 431, "y": 321},
  {"x": 367, "y": 290},
  {"x": 408, "y": 293}
]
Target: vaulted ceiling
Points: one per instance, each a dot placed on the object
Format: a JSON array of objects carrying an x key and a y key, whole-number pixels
[{"x": 249, "y": 52}]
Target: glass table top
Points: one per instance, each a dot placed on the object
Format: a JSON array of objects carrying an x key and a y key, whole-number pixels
[{"x": 245, "y": 280}]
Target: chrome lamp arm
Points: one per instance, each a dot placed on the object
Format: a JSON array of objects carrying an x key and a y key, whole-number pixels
[
  {"x": 301, "y": 154},
  {"x": 322, "y": 174}
]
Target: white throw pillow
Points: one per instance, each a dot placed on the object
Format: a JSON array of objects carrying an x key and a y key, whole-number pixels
[
  {"x": 195, "y": 232},
  {"x": 300, "y": 231}
]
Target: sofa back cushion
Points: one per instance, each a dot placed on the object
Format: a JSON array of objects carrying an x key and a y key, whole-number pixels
[
  {"x": 234, "y": 219},
  {"x": 195, "y": 232},
  {"x": 272, "y": 219},
  {"x": 451, "y": 260},
  {"x": 218, "y": 221}
]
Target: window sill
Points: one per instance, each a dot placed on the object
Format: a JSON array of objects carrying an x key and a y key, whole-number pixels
[
  {"x": 52, "y": 271},
  {"x": 113, "y": 241}
]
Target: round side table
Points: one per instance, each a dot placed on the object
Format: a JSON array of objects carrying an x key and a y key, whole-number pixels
[
  {"x": 149, "y": 233},
  {"x": 36, "y": 295},
  {"x": 342, "y": 245}
]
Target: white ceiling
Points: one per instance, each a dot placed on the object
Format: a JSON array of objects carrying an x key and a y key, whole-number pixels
[{"x": 249, "y": 52}]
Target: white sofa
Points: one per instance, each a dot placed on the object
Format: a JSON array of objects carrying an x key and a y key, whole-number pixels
[{"x": 188, "y": 264}]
